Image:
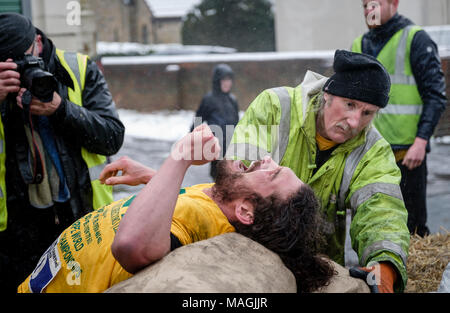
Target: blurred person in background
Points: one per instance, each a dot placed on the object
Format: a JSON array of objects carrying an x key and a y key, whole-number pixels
[{"x": 219, "y": 107}]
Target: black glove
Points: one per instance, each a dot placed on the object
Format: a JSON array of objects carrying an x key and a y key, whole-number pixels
[{"x": 368, "y": 277}]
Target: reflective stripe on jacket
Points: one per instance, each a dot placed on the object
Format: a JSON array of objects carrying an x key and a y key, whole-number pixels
[
  {"x": 361, "y": 173},
  {"x": 75, "y": 64},
  {"x": 405, "y": 103}
]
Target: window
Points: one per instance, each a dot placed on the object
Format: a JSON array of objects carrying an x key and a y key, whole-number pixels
[{"x": 144, "y": 34}]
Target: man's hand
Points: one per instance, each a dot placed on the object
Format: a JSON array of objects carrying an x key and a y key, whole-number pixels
[
  {"x": 133, "y": 173},
  {"x": 379, "y": 278},
  {"x": 38, "y": 107},
  {"x": 143, "y": 236},
  {"x": 416, "y": 154},
  {"x": 198, "y": 147},
  {"x": 9, "y": 79}
]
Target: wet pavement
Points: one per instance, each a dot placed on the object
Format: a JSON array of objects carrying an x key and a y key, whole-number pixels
[
  {"x": 153, "y": 153},
  {"x": 438, "y": 187}
]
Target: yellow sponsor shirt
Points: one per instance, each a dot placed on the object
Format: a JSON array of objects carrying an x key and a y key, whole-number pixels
[{"x": 80, "y": 259}]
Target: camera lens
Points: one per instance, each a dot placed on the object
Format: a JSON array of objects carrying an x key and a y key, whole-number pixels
[
  {"x": 43, "y": 88},
  {"x": 40, "y": 83}
]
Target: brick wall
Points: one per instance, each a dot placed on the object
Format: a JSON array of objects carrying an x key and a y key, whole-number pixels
[{"x": 176, "y": 84}]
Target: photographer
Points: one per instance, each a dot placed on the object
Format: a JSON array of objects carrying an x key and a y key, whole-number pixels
[{"x": 58, "y": 123}]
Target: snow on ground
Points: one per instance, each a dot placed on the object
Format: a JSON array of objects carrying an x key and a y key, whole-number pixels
[
  {"x": 443, "y": 140},
  {"x": 161, "y": 125}
]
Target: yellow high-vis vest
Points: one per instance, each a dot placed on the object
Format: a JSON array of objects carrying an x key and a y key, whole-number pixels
[{"x": 398, "y": 121}]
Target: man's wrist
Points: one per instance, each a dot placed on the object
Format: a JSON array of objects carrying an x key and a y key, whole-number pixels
[
  {"x": 420, "y": 141},
  {"x": 61, "y": 110},
  {"x": 179, "y": 161}
]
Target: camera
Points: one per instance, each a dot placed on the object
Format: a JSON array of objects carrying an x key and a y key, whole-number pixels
[{"x": 35, "y": 78}]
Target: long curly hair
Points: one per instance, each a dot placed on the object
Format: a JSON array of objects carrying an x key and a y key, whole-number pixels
[{"x": 291, "y": 228}]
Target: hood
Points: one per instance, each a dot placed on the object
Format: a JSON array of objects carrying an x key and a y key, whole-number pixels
[
  {"x": 220, "y": 71},
  {"x": 311, "y": 85}
]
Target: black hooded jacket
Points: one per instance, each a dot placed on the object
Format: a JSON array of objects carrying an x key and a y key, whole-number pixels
[
  {"x": 426, "y": 67},
  {"x": 94, "y": 126},
  {"x": 219, "y": 108}
]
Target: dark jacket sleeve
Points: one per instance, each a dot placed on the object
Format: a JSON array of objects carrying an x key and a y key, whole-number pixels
[
  {"x": 430, "y": 80},
  {"x": 236, "y": 107},
  {"x": 203, "y": 111},
  {"x": 96, "y": 124}
]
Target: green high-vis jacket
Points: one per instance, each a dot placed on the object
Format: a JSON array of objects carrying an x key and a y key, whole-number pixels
[{"x": 361, "y": 174}]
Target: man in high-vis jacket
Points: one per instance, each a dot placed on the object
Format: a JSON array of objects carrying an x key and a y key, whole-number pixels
[
  {"x": 51, "y": 150},
  {"x": 322, "y": 130},
  {"x": 417, "y": 98}
]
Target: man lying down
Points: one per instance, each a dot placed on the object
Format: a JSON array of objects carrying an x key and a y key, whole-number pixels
[{"x": 265, "y": 202}]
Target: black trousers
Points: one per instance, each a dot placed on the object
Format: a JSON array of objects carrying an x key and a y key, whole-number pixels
[
  {"x": 29, "y": 233},
  {"x": 414, "y": 190}
]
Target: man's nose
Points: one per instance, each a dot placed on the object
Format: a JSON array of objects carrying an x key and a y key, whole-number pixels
[
  {"x": 267, "y": 161},
  {"x": 369, "y": 7},
  {"x": 354, "y": 119}
]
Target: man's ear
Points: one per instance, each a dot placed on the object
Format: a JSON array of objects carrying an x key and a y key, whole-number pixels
[
  {"x": 244, "y": 212},
  {"x": 39, "y": 44},
  {"x": 396, "y": 3}
]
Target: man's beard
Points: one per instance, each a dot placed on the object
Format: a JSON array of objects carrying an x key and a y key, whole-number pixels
[{"x": 228, "y": 185}]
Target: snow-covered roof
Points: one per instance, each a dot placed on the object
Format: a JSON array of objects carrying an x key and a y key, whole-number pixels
[
  {"x": 134, "y": 48},
  {"x": 171, "y": 8}
]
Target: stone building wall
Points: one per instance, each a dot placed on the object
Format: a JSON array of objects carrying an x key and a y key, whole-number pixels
[{"x": 117, "y": 22}]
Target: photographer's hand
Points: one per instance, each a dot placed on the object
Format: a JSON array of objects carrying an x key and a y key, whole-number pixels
[
  {"x": 38, "y": 107},
  {"x": 9, "y": 79}
]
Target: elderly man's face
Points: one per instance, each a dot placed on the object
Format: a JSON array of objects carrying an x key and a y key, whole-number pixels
[{"x": 345, "y": 118}]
